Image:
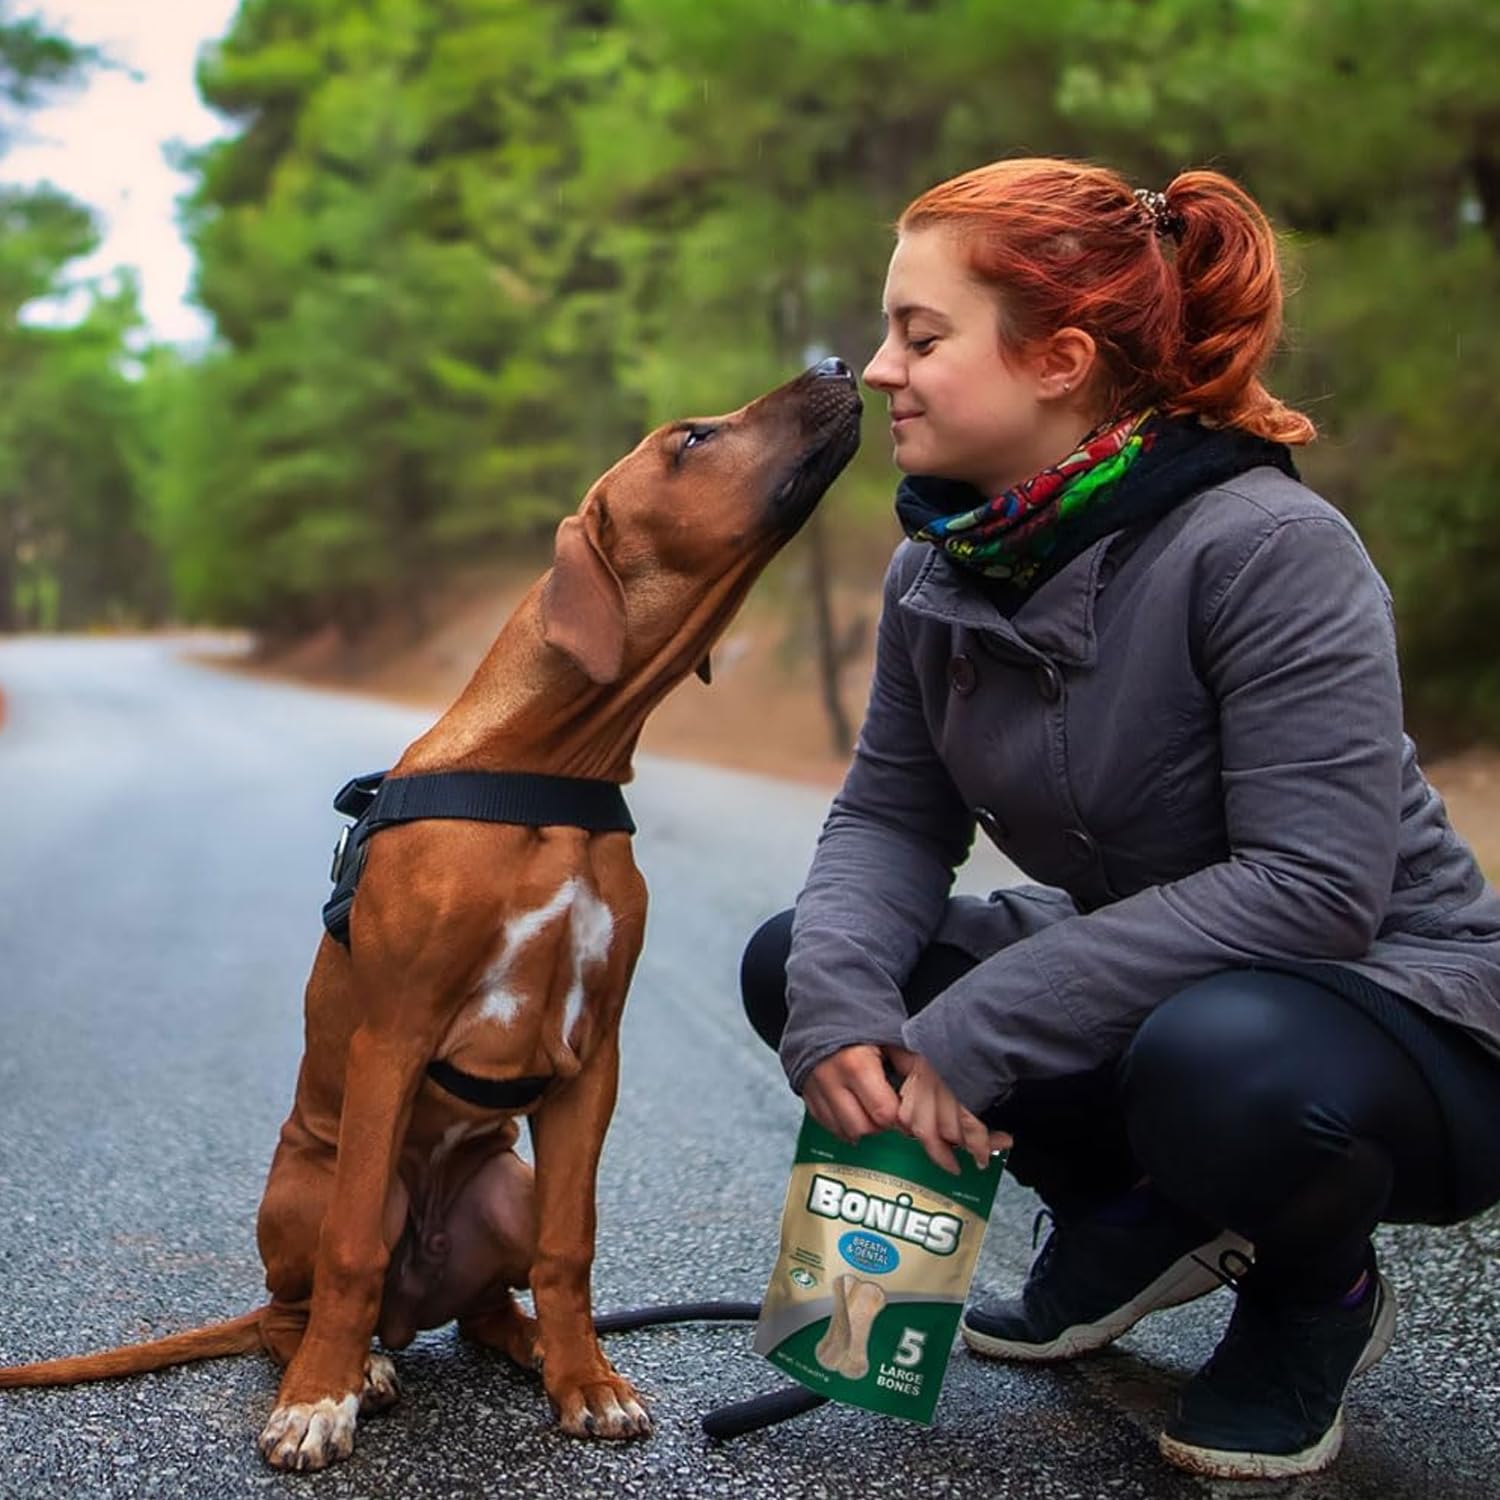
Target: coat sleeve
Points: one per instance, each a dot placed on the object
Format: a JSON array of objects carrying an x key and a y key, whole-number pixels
[
  {"x": 1298, "y": 649},
  {"x": 881, "y": 871}
]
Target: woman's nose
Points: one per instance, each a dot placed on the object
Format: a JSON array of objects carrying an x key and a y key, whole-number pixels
[{"x": 883, "y": 371}]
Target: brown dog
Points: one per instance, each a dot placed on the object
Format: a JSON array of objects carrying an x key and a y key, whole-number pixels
[{"x": 504, "y": 951}]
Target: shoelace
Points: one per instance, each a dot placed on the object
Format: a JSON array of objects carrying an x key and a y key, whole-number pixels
[
  {"x": 1036, "y": 1223},
  {"x": 1040, "y": 1262},
  {"x": 1232, "y": 1268}
]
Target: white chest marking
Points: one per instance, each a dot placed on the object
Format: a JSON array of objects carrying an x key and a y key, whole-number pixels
[
  {"x": 593, "y": 926},
  {"x": 501, "y": 1003},
  {"x": 590, "y": 928}
]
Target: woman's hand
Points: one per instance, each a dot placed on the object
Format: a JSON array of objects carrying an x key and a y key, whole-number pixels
[
  {"x": 847, "y": 1093},
  {"x": 930, "y": 1113}
]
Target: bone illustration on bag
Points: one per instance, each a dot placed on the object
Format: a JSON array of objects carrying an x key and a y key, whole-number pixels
[
  {"x": 834, "y": 1344},
  {"x": 865, "y": 1300},
  {"x": 845, "y": 1348}
]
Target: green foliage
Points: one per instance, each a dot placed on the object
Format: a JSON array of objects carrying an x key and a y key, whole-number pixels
[
  {"x": 460, "y": 252},
  {"x": 34, "y": 59},
  {"x": 68, "y": 485},
  {"x": 72, "y": 543},
  {"x": 414, "y": 362}
]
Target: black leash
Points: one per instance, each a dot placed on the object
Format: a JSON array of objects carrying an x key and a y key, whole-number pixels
[{"x": 740, "y": 1417}]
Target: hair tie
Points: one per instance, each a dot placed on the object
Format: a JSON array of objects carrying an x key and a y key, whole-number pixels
[{"x": 1166, "y": 222}]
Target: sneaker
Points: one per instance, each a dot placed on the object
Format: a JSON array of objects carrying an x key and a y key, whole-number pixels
[
  {"x": 1094, "y": 1280},
  {"x": 1269, "y": 1402}
]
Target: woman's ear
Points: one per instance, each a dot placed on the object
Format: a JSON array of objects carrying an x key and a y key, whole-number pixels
[
  {"x": 583, "y": 603},
  {"x": 1065, "y": 362}
]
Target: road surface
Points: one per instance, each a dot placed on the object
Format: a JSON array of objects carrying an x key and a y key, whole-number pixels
[{"x": 165, "y": 831}]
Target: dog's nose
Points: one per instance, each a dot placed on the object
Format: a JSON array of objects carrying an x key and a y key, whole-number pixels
[{"x": 833, "y": 368}]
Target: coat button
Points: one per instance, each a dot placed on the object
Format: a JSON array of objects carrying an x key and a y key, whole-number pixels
[
  {"x": 992, "y": 823},
  {"x": 1081, "y": 847},
  {"x": 1049, "y": 682},
  {"x": 963, "y": 676}
]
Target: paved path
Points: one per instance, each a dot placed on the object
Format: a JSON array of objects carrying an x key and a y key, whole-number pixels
[{"x": 164, "y": 840}]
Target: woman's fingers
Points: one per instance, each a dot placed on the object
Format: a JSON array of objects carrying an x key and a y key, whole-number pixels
[
  {"x": 901, "y": 1060},
  {"x": 930, "y": 1113},
  {"x": 976, "y": 1139},
  {"x": 921, "y": 1114},
  {"x": 952, "y": 1116},
  {"x": 939, "y": 1151},
  {"x": 812, "y": 1098},
  {"x": 869, "y": 1085},
  {"x": 838, "y": 1111},
  {"x": 847, "y": 1093}
]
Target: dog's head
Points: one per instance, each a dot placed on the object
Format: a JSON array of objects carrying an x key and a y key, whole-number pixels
[{"x": 667, "y": 542}]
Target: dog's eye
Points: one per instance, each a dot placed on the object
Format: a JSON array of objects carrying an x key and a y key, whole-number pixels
[{"x": 697, "y": 435}]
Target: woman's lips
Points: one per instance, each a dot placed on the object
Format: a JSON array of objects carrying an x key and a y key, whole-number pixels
[{"x": 903, "y": 419}]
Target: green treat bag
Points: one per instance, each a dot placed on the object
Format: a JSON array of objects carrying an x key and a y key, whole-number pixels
[{"x": 878, "y": 1246}]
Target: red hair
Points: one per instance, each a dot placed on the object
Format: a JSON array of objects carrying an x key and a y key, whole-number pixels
[{"x": 1066, "y": 244}]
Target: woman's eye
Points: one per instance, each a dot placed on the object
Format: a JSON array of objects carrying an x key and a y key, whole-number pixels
[{"x": 920, "y": 346}]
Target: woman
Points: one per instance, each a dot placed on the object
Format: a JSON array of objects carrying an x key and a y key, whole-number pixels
[{"x": 1254, "y": 1007}]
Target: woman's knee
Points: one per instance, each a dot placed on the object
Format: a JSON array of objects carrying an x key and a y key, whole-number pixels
[
  {"x": 1232, "y": 1028},
  {"x": 763, "y": 977},
  {"x": 1225, "y": 1061}
]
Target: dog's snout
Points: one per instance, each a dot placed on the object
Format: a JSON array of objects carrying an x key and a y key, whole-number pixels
[{"x": 833, "y": 368}]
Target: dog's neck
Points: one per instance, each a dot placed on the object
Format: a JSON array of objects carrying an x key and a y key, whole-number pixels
[{"x": 530, "y": 708}]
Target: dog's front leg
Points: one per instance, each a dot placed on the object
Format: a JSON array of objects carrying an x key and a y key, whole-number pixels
[
  {"x": 590, "y": 1399},
  {"x": 319, "y": 1399}
]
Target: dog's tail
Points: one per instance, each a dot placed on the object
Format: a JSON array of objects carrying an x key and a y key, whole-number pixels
[{"x": 236, "y": 1336}]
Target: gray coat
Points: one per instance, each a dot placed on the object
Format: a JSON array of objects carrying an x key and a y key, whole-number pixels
[{"x": 1191, "y": 735}]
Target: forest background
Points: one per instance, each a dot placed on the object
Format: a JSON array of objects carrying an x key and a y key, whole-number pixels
[{"x": 460, "y": 254}]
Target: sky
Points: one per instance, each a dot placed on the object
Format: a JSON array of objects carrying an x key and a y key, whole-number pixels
[{"x": 104, "y": 143}]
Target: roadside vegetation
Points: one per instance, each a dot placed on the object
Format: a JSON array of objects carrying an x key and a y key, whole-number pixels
[{"x": 461, "y": 253}]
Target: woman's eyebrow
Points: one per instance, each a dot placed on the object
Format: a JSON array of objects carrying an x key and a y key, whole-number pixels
[{"x": 907, "y": 310}]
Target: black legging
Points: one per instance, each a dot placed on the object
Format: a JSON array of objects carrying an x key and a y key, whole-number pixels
[{"x": 1256, "y": 1101}]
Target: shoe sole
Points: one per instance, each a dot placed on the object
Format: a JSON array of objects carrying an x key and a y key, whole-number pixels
[
  {"x": 1219, "y": 1463},
  {"x": 1185, "y": 1280}
]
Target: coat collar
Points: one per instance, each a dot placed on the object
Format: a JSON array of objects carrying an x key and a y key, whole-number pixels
[{"x": 1057, "y": 621}]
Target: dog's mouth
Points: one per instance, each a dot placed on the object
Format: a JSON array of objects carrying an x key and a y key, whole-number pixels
[{"x": 830, "y": 411}]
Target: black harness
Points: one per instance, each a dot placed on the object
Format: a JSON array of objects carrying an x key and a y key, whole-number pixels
[{"x": 378, "y": 800}]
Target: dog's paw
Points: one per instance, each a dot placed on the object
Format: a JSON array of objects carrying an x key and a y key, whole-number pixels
[
  {"x": 607, "y": 1408},
  {"x": 310, "y": 1435},
  {"x": 382, "y": 1388}
]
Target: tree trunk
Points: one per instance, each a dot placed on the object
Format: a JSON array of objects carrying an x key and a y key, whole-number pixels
[
  {"x": 1486, "y": 167},
  {"x": 789, "y": 322},
  {"x": 830, "y": 661},
  {"x": 8, "y": 621}
]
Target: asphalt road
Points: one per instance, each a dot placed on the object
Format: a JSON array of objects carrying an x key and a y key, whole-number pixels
[{"x": 164, "y": 838}]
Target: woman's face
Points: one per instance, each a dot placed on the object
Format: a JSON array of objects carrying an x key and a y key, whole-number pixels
[{"x": 961, "y": 408}]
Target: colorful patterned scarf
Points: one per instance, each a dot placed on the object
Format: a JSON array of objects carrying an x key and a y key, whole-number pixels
[{"x": 1013, "y": 535}]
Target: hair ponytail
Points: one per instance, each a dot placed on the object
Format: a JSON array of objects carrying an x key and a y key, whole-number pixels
[{"x": 1231, "y": 301}]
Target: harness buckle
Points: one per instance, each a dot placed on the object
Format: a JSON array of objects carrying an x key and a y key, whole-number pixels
[{"x": 339, "y": 851}]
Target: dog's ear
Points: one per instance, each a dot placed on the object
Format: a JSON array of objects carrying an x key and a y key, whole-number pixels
[{"x": 583, "y": 604}]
